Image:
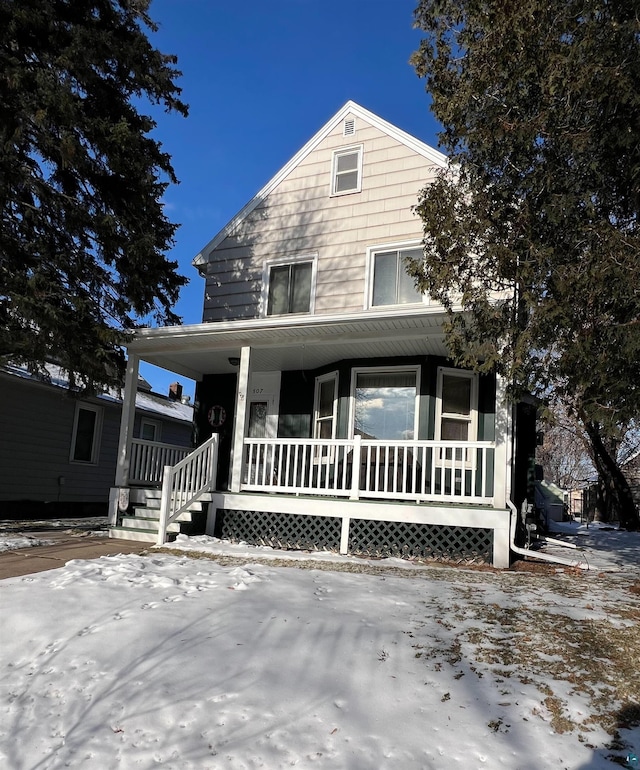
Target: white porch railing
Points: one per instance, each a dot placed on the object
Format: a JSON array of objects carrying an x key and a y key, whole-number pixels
[
  {"x": 183, "y": 484},
  {"x": 147, "y": 460},
  {"x": 392, "y": 470}
]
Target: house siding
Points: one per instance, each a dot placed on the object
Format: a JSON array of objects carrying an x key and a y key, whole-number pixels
[
  {"x": 301, "y": 217},
  {"x": 36, "y": 424}
]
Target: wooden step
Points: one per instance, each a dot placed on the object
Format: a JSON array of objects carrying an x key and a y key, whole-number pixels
[{"x": 147, "y": 523}]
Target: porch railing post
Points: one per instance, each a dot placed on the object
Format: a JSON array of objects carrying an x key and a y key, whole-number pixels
[
  {"x": 355, "y": 468},
  {"x": 165, "y": 502}
]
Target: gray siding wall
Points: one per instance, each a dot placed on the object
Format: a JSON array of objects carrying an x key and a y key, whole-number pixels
[
  {"x": 36, "y": 429},
  {"x": 300, "y": 217}
]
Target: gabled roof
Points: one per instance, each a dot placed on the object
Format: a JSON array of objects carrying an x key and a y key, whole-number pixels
[{"x": 350, "y": 108}]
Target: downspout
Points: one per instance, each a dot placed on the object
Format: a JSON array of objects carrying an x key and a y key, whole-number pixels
[{"x": 535, "y": 554}]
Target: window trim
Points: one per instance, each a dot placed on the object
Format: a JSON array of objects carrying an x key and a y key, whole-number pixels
[
  {"x": 316, "y": 404},
  {"x": 337, "y": 153},
  {"x": 382, "y": 370},
  {"x": 307, "y": 257},
  {"x": 370, "y": 274},
  {"x": 97, "y": 433},
  {"x": 473, "y": 415}
]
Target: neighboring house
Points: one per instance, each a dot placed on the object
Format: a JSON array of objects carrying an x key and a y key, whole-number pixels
[
  {"x": 631, "y": 470},
  {"x": 324, "y": 377},
  {"x": 58, "y": 452}
]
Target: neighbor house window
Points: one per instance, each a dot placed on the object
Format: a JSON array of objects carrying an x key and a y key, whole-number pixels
[
  {"x": 325, "y": 405},
  {"x": 390, "y": 282},
  {"x": 346, "y": 176},
  {"x": 290, "y": 287},
  {"x": 85, "y": 439},
  {"x": 456, "y": 407},
  {"x": 149, "y": 430},
  {"x": 385, "y": 403}
]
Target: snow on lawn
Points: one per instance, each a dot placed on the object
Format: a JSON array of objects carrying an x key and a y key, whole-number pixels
[
  {"x": 9, "y": 543},
  {"x": 242, "y": 662}
]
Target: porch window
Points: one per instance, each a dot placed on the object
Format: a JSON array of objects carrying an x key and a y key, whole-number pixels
[
  {"x": 457, "y": 405},
  {"x": 290, "y": 288},
  {"x": 347, "y": 171},
  {"x": 385, "y": 404},
  {"x": 85, "y": 440},
  {"x": 391, "y": 284},
  {"x": 325, "y": 404}
]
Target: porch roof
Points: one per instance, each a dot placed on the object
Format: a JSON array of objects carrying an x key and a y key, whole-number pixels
[{"x": 291, "y": 342}]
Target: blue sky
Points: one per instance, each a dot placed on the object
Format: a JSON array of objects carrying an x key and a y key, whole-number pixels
[{"x": 260, "y": 79}]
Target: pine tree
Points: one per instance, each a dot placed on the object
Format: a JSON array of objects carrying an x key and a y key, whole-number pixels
[
  {"x": 83, "y": 235},
  {"x": 533, "y": 230}
]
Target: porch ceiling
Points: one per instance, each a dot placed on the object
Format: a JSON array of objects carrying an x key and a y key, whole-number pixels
[{"x": 290, "y": 343}]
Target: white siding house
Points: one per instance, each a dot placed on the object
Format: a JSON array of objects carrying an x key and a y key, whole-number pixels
[{"x": 325, "y": 390}]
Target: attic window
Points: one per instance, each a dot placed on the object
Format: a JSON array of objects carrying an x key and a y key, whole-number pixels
[
  {"x": 349, "y": 127},
  {"x": 347, "y": 171}
]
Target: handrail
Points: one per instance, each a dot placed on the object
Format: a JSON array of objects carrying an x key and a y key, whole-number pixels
[{"x": 185, "y": 482}]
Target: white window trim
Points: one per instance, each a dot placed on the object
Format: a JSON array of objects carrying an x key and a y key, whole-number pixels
[
  {"x": 382, "y": 370},
  {"x": 369, "y": 276},
  {"x": 157, "y": 425},
  {"x": 334, "y": 164},
  {"x": 316, "y": 403},
  {"x": 473, "y": 416},
  {"x": 97, "y": 434},
  {"x": 289, "y": 260}
]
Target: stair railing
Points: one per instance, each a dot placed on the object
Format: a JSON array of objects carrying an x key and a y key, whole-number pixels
[{"x": 184, "y": 483}]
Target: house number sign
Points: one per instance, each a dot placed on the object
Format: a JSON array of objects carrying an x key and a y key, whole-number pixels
[{"x": 216, "y": 416}]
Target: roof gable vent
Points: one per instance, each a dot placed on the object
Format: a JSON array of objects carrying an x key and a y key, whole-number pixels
[{"x": 349, "y": 127}]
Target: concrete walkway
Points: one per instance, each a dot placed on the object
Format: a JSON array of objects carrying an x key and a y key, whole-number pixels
[{"x": 65, "y": 547}]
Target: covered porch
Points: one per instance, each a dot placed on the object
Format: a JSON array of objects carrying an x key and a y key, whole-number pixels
[{"x": 416, "y": 481}]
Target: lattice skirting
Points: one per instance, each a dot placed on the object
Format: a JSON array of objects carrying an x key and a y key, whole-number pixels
[
  {"x": 426, "y": 541},
  {"x": 366, "y": 537},
  {"x": 280, "y": 530}
]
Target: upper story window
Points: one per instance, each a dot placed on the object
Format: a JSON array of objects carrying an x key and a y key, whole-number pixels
[
  {"x": 389, "y": 282},
  {"x": 85, "y": 440},
  {"x": 290, "y": 286},
  {"x": 347, "y": 171}
]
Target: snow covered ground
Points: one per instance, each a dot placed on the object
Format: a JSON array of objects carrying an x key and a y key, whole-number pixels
[{"x": 220, "y": 656}]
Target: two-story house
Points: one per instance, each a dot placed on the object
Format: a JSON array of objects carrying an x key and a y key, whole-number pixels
[{"x": 323, "y": 376}]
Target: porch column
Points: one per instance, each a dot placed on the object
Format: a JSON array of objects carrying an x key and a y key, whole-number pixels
[
  {"x": 239, "y": 425},
  {"x": 501, "y": 476},
  {"x": 126, "y": 420}
]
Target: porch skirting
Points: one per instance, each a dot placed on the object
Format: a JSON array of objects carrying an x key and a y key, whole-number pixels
[{"x": 459, "y": 534}]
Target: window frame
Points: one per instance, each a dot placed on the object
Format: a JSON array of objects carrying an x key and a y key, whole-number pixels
[
  {"x": 157, "y": 427},
  {"x": 472, "y": 421},
  {"x": 338, "y": 153},
  {"x": 372, "y": 251},
  {"x": 306, "y": 258},
  {"x": 96, "y": 438},
  {"x": 317, "y": 420},
  {"x": 415, "y": 368}
]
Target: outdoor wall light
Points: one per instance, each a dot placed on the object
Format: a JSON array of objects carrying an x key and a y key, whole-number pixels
[{"x": 234, "y": 361}]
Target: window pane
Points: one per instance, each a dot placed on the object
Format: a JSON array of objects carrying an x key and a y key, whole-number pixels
[
  {"x": 301, "y": 294},
  {"x": 278, "y": 290},
  {"x": 347, "y": 162},
  {"x": 85, "y": 432},
  {"x": 454, "y": 430},
  {"x": 258, "y": 419},
  {"x": 407, "y": 291},
  {"x": 347, "y": 181},
  {"x": 148, "y": 431},
  {"x": 456, "y": 395},
  {"x": 385, "y": 411},
  {"x": 325, "y": 407},
  {"x": 384, "y": 278},
  {"x": 324, "y": 429}
]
